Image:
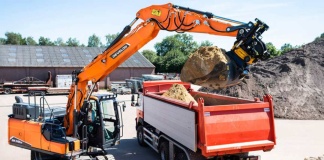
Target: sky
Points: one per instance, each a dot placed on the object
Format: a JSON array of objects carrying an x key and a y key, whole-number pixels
[{"x": 291, "y": 21}]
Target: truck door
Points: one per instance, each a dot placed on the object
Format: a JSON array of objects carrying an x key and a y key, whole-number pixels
[{"x": 111, "y": 123}]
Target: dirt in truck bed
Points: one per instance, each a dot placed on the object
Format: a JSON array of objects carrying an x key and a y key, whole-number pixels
[
  {"x": 294, "y": 79},
  {"x": 179, "y": 92}
]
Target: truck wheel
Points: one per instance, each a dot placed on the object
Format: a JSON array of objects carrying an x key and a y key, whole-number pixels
[
  {"x": 164, "y": 151},
  {"x": 7, "y": 91},
  {"x": 181, "y": 156},
  {"x": 140, "y": 136}
]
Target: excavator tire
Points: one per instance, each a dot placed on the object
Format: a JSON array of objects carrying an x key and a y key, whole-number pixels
[{"x": 207, "y": 67}]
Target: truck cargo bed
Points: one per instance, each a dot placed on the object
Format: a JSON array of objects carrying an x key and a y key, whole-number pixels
[{"x": 225, "y": 125}]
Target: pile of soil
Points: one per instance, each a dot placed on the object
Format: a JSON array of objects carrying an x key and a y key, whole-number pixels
[
  {"x": 295, "y": 80},
  {"x": 179, "y": 92},
  {"x": 205, "y": 66}
]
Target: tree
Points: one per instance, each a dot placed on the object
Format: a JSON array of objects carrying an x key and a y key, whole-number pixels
[
  {"x": 30, "y": 41},
  {"x": 174, "y": 61},
  {"x": 173, "y": 52},
  {"x": 159, "y": 64},
  {"x": 320, "y": 37},
  {"x": 59, "y": 42},
  {"x": 206, "y": 43},
  {"x": 286, "y": 48},
  {"x": 183, "y": 42},
  {"x": 72, "y": 42},
  {"x": 23, "y": 41},
  {"x": 13, "y": 38},
  {"x": 42, "y": 41},
  {"x": 273, "y": 50},
  {"x": 150, "y": 55},
  {"x": 2, "y": 41},
  {"x": 110, "y": 38},
  {"x": 94, "y": 41}
]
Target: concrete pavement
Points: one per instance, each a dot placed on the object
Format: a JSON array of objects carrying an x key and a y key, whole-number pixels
[{"x": 296, "y": 139}]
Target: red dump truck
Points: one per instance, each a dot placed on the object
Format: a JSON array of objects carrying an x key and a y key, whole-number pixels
[{"x": 219, "y": 127}]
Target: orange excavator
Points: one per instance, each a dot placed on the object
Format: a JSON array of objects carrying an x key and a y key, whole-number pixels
[{"x": 52, "y": 133}]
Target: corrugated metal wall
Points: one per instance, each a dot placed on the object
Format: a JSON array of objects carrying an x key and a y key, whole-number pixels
[{"x": 17, "y": 73}]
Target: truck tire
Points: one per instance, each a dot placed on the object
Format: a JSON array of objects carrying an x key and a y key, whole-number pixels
[
  {"x": 164, "y": 151},
  {"x": 140, "y": 136},
  {"x": 181, "y": 156},
  {"x": 7, "y": 90}
]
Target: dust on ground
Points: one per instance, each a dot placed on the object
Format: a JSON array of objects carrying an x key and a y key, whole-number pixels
[
  {"x": 179, "y": 92},
  {"x": 294, "y": 79}
]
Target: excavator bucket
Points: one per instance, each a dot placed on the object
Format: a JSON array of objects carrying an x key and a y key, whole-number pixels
[{"x": 208, "y": 67}]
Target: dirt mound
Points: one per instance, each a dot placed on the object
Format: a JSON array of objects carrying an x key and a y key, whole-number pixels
[
  {"x": 179, "y": 92},
  {"x": 204, "y": 67},
  {"x": 295, "y": 80}
]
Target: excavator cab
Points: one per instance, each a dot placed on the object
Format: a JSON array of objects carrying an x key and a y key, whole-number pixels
[{"x": 105, "y": 128}]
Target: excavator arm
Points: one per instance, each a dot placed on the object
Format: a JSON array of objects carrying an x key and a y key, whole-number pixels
[{"x": 169, "y": 17}]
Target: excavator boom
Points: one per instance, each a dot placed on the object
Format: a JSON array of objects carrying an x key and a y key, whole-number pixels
[{"x": 167, "y": 17}]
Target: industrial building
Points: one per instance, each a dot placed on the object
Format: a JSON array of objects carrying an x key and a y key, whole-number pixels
[{"x": 19, "y": 61}]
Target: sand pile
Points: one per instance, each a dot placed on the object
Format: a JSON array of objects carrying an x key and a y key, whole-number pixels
[{"x": 179, "y": 92}]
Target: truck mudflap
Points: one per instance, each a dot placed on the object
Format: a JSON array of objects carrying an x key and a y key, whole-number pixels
[{"x": 236, "y": 128}]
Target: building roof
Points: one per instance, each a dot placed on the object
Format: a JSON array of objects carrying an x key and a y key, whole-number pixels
[{"x": 58, "y": 56}]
